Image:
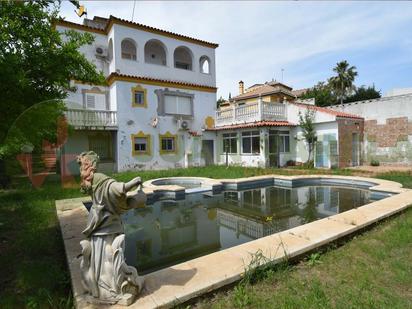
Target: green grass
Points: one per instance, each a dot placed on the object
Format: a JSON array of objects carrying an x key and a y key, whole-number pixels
[
  {"x": 33, "y": 270},
  {"x": 405, "y": 178},
  {"x": 220, "y": 172},
  {"x": 371, "y": 271}
]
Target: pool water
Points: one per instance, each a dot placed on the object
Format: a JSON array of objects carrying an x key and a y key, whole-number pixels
[{"x": 169, "y": 232}]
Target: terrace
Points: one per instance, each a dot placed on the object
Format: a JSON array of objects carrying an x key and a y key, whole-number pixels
[
  {"x": 259, "y": 111},
  {"x": 91, "y": 119}
]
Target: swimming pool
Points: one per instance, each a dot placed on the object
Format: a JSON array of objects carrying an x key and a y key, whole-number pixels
[{"x": 168, "y": 231}]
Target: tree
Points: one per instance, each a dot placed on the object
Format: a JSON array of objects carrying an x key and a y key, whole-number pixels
[
  {"x": 36, "y": 66},
  {"x": 322, "y": 93},
  {"x": 306, "y": 123},
  {"x": 219, "y": 101},
  {"x": 342, "y": 83},
  {"x": 364, "y": 93}
]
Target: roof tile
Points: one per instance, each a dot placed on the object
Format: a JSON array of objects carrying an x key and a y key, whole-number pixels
[
  {"x": 327, "y": 111},
  {"x": 254, "y": 125}
]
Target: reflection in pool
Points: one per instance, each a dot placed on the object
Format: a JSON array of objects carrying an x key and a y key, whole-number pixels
[{"x": 169, "y": 232}]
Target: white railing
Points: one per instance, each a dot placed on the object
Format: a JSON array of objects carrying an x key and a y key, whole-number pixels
[
  {"x": 251, "y": 112},
  {"x": 91, "y": 118}
]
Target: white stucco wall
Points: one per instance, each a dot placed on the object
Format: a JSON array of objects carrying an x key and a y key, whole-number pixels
[
  {"x": 139, "y": 67},
  {"x": 132, "y": 120},
  {"x": 380, "y": 109},
  {"x": 135, "y": 119},
  {"x": 89, "y": 50}
]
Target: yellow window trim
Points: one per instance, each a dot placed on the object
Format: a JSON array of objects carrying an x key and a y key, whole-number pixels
[
  {"x": 167, "y": 135},
  {"x": 148, "y": 145},
  {"x": 140, "y": 89}
]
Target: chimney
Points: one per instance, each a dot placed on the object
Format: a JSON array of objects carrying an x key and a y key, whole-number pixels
[{"x": 241, "y": 87}]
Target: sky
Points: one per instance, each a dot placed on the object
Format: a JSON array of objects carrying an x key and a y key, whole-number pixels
[{"x": 305, "y": 39}]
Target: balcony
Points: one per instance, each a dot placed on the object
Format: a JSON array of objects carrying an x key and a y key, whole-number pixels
[
  {"x": 259, "y": 111},
  {"x": 92, "y": 119}
]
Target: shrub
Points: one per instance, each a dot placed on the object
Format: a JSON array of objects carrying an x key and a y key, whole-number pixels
[{"x": 375, "y": 162}]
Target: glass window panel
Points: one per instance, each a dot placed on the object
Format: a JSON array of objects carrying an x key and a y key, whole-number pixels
[
  {"x": 139, "y": 97},
  {"x": 255, "y": 144},
  {"x": 233, "y": 145},
  {"x": 287, "y": 144},
  {"x": 246, "y": 145}
]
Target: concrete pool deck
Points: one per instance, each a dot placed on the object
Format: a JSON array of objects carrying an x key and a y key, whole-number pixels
[{"x": 174, "y": 285}]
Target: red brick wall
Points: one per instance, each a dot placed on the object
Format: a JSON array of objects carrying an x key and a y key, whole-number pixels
[
  {"x": 346, "y": 127},
  {"x": 386, "y": 135}
]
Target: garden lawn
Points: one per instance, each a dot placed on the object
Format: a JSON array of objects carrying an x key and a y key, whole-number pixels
[
  {"x": 373, "y": 270},
  {"x": 33, "y": 270}
]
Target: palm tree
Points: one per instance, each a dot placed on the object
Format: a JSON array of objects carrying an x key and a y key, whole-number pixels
[{"x": 342, "y": 83}]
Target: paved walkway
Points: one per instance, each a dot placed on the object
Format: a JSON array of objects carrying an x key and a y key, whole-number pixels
[{"x": 375, "y": 170}]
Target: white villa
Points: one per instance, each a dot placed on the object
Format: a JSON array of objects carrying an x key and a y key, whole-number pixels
[
  {"x": 159, "y": 98},
  {"x": 259, "y": 127},
  {"x": 158, "y": 109}
]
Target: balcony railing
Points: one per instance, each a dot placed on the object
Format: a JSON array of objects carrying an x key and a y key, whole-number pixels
[
  {"x": 84, "y": 118},
  {"x": 258, "y": 111}
]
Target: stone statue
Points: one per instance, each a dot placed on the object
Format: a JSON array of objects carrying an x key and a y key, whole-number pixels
[{"x": 105, "y": 275}]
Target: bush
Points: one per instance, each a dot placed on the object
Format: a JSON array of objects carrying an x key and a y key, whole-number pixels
[{"x": 375, "y": 163}]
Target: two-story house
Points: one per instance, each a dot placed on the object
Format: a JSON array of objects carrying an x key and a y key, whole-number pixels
[
  {"x": 260, "y": 127},
  {"x": 158, "y": 100}
]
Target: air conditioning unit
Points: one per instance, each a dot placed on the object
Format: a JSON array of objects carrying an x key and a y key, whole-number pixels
[
  {"x": 101, "y": 51},
  {"x": 183, "y": 124}
]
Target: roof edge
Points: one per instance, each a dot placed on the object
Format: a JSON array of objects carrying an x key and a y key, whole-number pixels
[
  {"x": 115, "y": 20},
  {"x": 155, "y": 81}
]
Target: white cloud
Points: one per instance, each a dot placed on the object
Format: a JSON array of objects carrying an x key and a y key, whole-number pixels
[{"x": 257, "y": 39}]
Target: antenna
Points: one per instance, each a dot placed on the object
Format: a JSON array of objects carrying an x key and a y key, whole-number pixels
[
  {"x": 282, "y": 70},
  {"x": 134, "y": 5}
]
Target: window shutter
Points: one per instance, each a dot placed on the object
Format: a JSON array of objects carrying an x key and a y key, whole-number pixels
[
  {"x": 90, "y": 101},
  {"x": 184, "y": 106},
  {"x": 170, "y": 104}
]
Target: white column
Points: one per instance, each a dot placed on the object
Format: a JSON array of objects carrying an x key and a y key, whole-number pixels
[{"x": 260, "y": 109}]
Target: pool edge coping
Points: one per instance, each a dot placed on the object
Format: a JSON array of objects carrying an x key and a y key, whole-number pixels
[{"x": 72, "y": 218}]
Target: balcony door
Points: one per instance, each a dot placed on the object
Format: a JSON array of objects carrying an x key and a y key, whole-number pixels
[{"x": 273, "y": 149}]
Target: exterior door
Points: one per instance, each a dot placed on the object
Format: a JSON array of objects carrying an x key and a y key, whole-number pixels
[
  {"x": 273, "y": 150},
  {"x": 355, "y": 149},
  {"x": 208, "y": 151}
]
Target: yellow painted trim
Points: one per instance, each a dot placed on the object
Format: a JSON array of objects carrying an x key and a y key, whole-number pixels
[
  {"x": 148, "y": 151},
  {"x": 167, "y": 135},
  {"x": 112, "y": 78},
  {"x": 140, "y": 89}
]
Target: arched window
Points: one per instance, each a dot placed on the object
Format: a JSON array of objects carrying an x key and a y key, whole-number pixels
[
  {"x": 183, "y": 58},
  {"x": 110, "y": 50},
  {"x": 155, "y": 52},
  {"x": 204, "y": 64},
  {"x": 128, "y": 47}
]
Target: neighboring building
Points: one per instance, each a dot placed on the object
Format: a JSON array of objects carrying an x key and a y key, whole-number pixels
[
  {"x": 388, "y": 127},
  {"x": 259, "y": 127},
  {"x": 159, "y": 97}
]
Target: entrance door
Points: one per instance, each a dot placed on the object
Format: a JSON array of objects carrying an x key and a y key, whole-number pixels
[
  {"x": 208, "y": 151},
  {"x": 273, "y": 150},
  {"x": 355, "y": 149}
]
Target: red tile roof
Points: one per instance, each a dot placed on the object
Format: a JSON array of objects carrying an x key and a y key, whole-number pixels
[
  {"x": 327, "y": 111},
  {"x": 195, "y": 133},
  {"x": 254, "y": 125}
]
